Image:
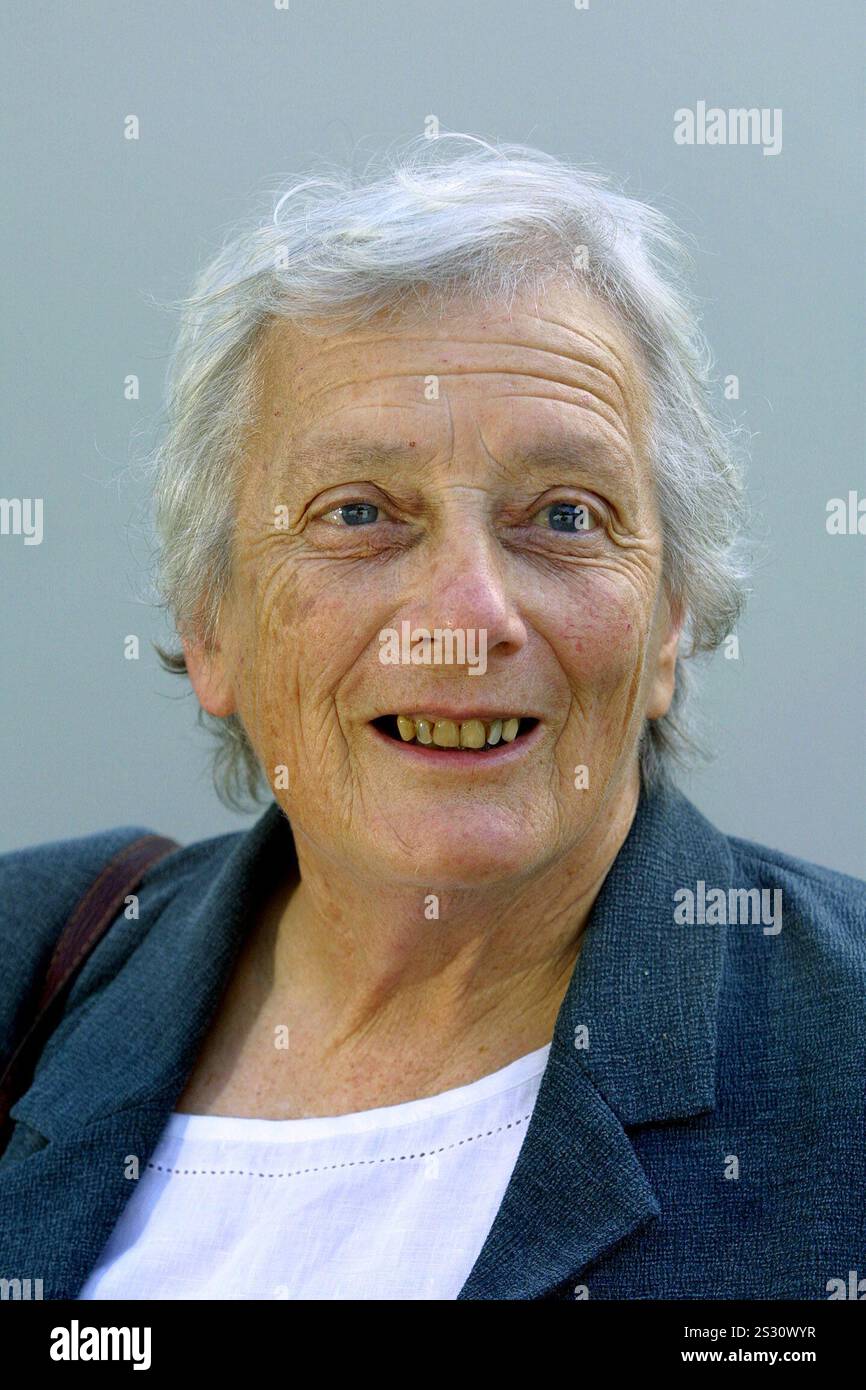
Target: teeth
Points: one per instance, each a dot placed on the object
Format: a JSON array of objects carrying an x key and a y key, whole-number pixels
[
  {"x": 472, "y": 734},
  {"x": 453, "y": 733},
  {"x": 446, "y": 734}
]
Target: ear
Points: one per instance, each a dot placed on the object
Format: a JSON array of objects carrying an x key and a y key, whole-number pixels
[
  {"x": 664, "y": 679},
  {"x": 210, "y": 677}
]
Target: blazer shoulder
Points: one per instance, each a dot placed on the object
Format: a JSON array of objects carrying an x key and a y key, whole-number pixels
[
  {"x": 812, "y": 876},
  {"x": 832, "y": 903},
  {"x": 39, "y": 887}
]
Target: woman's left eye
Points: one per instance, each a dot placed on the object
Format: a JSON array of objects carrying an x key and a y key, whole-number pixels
[
  {"x": 569, "y": 517},
  {"x": 354, "y": 514}
]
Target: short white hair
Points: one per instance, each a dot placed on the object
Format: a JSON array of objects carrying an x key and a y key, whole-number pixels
[{"x": 454, "y": 215}]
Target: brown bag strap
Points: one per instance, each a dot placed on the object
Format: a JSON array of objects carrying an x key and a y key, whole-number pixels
[{"x": 90, "y": 920}]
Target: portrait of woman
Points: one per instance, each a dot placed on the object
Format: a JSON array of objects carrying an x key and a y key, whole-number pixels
[{"x": 479, "y": 1006}]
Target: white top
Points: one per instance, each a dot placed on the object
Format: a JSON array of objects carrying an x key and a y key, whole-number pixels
[{"x": 391, "y": 1203}]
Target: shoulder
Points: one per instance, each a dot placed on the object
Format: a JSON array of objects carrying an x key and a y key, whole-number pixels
[
  {"x": 833, "y": 902},
  {"x": 39, "y": 887},
  {"x": 796, "y": 966},
  {"x": 40, "y": 884},
  {"x": 794, "y": 931}
]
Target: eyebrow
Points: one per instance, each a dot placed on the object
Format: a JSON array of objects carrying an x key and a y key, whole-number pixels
[
  {"x": 591, "y": 449},
  {"x": 350, "y": 451}
]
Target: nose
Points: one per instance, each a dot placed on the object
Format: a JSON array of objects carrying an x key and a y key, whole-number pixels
[{"x": 463, "y": 586}]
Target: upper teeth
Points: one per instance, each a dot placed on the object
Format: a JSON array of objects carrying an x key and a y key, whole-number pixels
[{"x": 453, "y": 733}]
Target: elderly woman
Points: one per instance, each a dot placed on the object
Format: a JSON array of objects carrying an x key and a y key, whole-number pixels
[{"x": 480, "y": 1007}]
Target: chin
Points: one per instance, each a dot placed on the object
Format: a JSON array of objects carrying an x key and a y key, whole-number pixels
[{"x": 464, "y": 848}]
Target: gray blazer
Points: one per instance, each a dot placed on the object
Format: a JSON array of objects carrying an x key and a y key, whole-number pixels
[{"x": 680, "y": 1047}]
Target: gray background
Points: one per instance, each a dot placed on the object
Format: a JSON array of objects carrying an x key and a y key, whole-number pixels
[{"x": 234, "y": 96}]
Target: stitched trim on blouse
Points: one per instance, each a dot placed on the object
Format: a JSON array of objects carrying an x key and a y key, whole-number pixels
[{"x": 356, "y": 1163}]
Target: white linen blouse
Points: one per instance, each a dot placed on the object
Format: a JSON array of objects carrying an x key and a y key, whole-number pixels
[{"x": 389, "y": 1203}]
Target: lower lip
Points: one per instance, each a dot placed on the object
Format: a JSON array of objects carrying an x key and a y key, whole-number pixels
[{"x": 427, "y": 755}]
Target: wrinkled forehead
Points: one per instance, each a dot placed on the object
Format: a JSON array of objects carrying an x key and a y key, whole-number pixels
[{"x": 557, "y": 362}]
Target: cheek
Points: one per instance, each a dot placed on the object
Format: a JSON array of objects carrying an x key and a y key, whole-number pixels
[
  {"x": 304, "y": 638},
  {"x": 600, "y": 642}
]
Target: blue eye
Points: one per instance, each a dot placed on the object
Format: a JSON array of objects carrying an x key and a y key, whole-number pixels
[
  {"x": 358, "y": 513},
  {"x": 569, "y": 517}
]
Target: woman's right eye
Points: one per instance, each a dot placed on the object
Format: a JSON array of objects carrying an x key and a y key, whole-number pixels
[{"x": 353, "y": 514}]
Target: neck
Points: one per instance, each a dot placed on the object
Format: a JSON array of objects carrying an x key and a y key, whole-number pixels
[{"x": 373, "y": 974}]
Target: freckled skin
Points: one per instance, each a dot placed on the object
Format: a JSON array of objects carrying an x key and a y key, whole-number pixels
[{"x": 580, "y": 633}]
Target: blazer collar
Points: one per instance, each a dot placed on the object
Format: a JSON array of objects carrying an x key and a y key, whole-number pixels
[{"x": 643, "y": 995}]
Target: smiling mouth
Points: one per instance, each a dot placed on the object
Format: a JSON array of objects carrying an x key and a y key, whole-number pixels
[{"x": 457, "y": 735}]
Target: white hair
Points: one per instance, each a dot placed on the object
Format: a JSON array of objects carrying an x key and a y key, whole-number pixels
[{"x": 454, "y": 215}]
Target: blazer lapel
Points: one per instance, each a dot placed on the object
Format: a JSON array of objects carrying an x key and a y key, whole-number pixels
[
  {"x": 576, "y": 1190},
  {"x": 634, "y": 1043}
]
